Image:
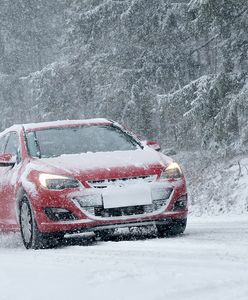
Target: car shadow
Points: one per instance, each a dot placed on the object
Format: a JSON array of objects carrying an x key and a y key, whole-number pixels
[
  {"x": 13, "y": 240},
  {"x": 135, "y": 234}
]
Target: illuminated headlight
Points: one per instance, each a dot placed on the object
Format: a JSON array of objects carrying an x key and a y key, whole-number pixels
[
  {"x": 173, "y": 171},
  {"x": 57, "y": 182}
]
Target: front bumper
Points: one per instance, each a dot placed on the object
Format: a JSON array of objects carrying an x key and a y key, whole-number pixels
[
  {"x": 92, "y": 225},
  {"x": 87, "y": 222}
]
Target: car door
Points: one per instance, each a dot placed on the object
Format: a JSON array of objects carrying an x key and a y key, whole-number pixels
[{"x": 8, "y": 176}]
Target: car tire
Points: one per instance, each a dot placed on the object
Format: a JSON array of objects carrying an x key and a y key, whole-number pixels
[
  {"x": 31, "y": 236},
  {"x": 174, "y": 228}
]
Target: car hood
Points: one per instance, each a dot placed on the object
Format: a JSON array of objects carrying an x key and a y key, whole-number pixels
[{"x": 103, "y": 165}]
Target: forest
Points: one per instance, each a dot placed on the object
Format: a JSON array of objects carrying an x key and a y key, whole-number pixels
[{"x": 170, "y": 70}]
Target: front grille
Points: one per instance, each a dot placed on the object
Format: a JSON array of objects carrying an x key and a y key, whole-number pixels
[
  {"x": 93, "y": 204},
  {"x": 101, "y": 184},
  {"x": 100, "y": 211},
  {"x": 120, "y": 211}
]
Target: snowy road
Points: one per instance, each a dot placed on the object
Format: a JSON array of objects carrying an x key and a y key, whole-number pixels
[{"x": 210, "y": 261}]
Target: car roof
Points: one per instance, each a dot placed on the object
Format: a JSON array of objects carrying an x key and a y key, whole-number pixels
[{"x": 54, "y": 124}]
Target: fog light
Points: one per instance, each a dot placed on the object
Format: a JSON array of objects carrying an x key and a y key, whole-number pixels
[
  {"x": 181, "y": 203},
  {"x": 59, "y": 214}
]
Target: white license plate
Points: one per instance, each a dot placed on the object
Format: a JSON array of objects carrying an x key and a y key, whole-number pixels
[{"x": 138, "y": 194}]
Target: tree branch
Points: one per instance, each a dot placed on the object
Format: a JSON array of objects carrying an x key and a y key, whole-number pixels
[{"x": 214, "y": 37}]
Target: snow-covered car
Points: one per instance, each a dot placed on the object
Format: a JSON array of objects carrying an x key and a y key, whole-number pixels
[{"x": 88, "y": 175}]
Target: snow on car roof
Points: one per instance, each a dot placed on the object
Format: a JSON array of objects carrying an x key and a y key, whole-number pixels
[
  {"x": 33, "y": 126},
  {"x": 53, "y": 124}
]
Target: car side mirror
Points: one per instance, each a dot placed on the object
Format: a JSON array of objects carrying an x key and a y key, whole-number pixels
[
  {"x": 7, "y": 160},
  {"x": 154, "y": 145}
]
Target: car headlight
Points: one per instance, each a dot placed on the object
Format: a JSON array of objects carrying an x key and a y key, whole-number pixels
[
  {"x": 173, "y": 171},
  {"x": 57, "y": 182}
]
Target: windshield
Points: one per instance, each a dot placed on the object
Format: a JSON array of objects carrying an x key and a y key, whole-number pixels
[{"x": 78, "y": 139}]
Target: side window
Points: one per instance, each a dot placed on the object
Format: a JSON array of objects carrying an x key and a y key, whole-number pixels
[
  {"x": 3, "y": 143},
  {"x": 12, "y": 144}
]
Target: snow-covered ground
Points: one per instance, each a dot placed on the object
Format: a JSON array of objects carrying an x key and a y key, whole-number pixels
[{"x": 210, "y": 261}]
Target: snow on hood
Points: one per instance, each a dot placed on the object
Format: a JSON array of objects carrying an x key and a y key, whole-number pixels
[{"x": 105, "y": 162}]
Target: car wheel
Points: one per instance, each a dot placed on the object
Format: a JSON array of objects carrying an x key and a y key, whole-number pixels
[
  {"x": 31, "y": 236},
  {"x": 176, "y": 227}
]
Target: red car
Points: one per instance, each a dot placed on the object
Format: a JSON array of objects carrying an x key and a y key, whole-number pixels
[{"x": 88, "y": 175}]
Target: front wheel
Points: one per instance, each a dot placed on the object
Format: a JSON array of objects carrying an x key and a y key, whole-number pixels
[
  {"x": 176, "y": 227},
  {"x": 31, "y": 236}
]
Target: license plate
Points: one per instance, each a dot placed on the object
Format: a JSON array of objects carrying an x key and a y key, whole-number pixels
[{"x": 127, "y": 196}]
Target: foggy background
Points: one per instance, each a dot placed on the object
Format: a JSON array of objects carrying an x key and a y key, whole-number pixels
[{"x": 173, "y": 71}]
